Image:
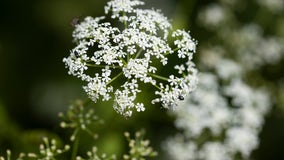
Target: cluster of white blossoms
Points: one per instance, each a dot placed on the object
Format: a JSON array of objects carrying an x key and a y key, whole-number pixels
[
  {"x": 253, "y": 49},
  {"x": 213, "y": 16},
  {"x": 222, "y": 119},
  {"x": 248, "y": 43},
  {"x": 131, "y": 50},
  {"x": 219, "y": 122},
  {"x": 275, "y": 6}
]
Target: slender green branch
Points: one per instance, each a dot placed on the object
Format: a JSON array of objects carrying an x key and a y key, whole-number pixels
[
  {"x": 123, "y": 61},
  {"x": 158, "y": 77},
  {"x": 75, "y": 148},
  {"x": 128, "y": 57},
  {"x": 157, "y": 87},
  {"x": 125, "y": 22},
  {"x": 90, "y": 133},
  {"x": 8, "y": 155},
  {"x": 114, "y": 78},
  {"x": 138, "y": 53},
  {"x": 173, "y": 51},
  {"x": 176, "y": 49},
  {"x": 101, "y": 66}
]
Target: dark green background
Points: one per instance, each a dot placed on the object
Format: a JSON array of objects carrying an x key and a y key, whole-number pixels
[{"x": 34, "y": 85}]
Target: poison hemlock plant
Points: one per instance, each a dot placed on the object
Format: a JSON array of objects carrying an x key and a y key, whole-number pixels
[{"x": 131, "y": 52}]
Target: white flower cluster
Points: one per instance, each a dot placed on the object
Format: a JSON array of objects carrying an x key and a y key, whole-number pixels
[
  {"x": 255, "y": 50},
  {"x": 219, "y": 122},
  {"x": 248, "y": 43},
  {"x": 276, "y": 6},
  {"x": 131, "y": 51},
  {"x": 213, "y": 16}
]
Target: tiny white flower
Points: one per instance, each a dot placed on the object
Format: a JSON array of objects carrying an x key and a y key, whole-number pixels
[{"x": 180, "y": 68}]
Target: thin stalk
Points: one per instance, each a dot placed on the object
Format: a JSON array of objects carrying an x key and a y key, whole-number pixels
[
  {"x": 176, "y": 49},
  {"x": 114, "y": 78},
  {"x": 75, "y": 148},
  {"x": 139, "y": 52},
  {"x": 173, "y": 51},
  {"x": 128, "y": 57},
  {"x": 123, "y": 61},
  {"x": 8, "y": 154},
  {"x": 125, "y": 22},
  {"x": 157, "y": 86},
  {"x": 90, "y": 133},
  {"x": 158, "y": 77},
  {"x": 101, "y": 66}
]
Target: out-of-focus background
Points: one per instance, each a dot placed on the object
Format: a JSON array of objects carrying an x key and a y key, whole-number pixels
[{"x": 35, "y": 86}]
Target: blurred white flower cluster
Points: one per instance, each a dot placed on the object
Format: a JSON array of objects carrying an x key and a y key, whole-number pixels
[
  {"x": 222, "y": 119},
  {"x": 131, "y": 50},
  {"x": 276, "y": 6},
  {"x": 213, "y": 15},
  {"x": 219, "y": 122},
  {"x": 248, "y": 43},
  {"x": 253, "y": 49}
]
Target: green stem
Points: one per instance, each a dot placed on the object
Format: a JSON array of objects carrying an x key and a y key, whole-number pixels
[
  {"x": 114, "y": 78},
  {"x": 8, "y": 155},
  {"x": 125, "y": 22},
  {"x": 90, "y": 133},
  {"x": 101, "y": 66},
  {"x": 176, "y": 49},
  {"x": 157, "y": 86},
  {"x": 139, "y": 52},
  {"x": 123, "y": 61},
  {"x": 159, "y": 77},
  {"x": 75, "y": 148},
  {"x": 173, "y": 51}
]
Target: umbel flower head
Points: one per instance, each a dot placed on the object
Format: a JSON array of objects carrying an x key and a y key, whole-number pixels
[{"x": 131, "y": 49}]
